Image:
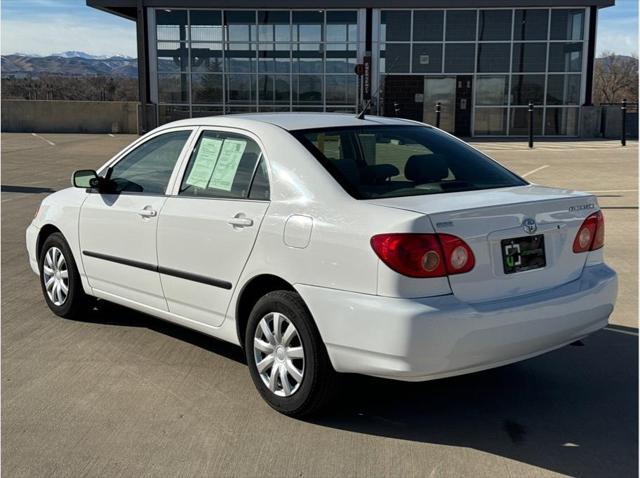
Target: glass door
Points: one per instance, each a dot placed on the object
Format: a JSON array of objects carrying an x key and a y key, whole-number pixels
[{"x": 443, "y": 90}]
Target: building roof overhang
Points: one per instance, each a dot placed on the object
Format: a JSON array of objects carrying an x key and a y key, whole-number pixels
[{"x": 127, "y": 8}]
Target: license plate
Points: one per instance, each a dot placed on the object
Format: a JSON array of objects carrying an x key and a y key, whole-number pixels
[{"x": 523, "y": 253}]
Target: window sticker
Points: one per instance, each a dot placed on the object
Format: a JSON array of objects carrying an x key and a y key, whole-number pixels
[
  {"x": 205, "y": 162},
  {"x": 227, "y": 165}
]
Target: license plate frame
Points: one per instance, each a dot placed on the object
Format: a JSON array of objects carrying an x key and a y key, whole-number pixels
[{"x": 521, "y": 254}]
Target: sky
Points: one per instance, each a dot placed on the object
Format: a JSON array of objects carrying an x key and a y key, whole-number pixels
[{"x": 52, "y": 26}]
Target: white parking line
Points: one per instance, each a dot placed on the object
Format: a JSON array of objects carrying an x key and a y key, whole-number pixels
[
  {"x": 535, "y": 170},
  {"x": 622, "y": 331},
  {"x": 51, "y": 143},
  {"x": 111, "y": 135}
]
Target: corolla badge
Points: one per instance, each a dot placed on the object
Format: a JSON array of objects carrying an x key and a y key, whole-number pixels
[{"x": 529, "y": 225}]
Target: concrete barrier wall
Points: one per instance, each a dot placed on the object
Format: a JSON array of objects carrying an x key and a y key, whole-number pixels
[{"x": 69, "y": 116}]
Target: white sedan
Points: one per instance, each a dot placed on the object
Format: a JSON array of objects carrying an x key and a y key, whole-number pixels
[{"x": 325, "y": 243}]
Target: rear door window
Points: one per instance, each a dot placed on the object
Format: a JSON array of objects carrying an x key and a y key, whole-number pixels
[{"x": 222, "y": 165}]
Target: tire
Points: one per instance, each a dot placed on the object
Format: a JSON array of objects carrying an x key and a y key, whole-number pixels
[
  {"x": 74, "y": 302},
  {"x": 319, "y": 380}
]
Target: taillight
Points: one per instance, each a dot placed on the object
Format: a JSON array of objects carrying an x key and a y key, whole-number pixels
[
  {"x": 590, "y": 236},
  {"x": 424, "y": 255}
]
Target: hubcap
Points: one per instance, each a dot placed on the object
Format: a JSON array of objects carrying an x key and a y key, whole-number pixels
[
  {"x": 278, "y": 354},
  {"x": 55, "y": 276}
]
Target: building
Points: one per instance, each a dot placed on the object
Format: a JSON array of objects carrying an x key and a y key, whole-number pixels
[{"x": 483, "y": 61}]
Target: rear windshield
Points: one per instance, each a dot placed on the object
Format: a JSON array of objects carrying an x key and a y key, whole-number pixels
[{"x": 392, "y": 161}]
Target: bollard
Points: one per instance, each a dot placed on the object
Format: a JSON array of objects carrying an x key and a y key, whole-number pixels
[
  {"x": 438, "y": 109},
  {"x": 623, "y": 138},
  {"x": 396, "y": 108},
  {"x": 531, "y": 124}
]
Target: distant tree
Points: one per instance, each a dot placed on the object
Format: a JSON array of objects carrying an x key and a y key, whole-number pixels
[
  {"x": 615, "y": 78},
  {"x": 73, "y": 88}
]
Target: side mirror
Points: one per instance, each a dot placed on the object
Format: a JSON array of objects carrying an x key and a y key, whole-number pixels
[{"x": 85, "y": 178}]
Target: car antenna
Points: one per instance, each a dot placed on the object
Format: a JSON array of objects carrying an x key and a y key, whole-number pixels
[{"x": 360, "y": 115}]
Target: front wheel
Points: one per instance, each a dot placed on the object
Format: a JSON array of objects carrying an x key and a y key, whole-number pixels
[
  {"x": 60, "y": 279},
  {"x": 286, "y": 357}
]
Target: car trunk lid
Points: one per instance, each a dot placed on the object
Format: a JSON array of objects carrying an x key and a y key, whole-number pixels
[{"x": 484, "y": 219}]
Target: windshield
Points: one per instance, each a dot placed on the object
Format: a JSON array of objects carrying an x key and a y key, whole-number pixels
[{"x": 390, "y": 161}]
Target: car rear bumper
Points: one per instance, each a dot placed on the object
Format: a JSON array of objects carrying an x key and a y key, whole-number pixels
[
  {"x": 32, "y": 241},
  {"x": 423, "y": 339}
]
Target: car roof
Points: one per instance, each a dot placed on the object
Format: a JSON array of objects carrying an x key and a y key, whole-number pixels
[{"x": 291, "y": 121}]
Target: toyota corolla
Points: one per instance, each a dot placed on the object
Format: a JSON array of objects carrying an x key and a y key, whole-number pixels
[{"x": 326, "y": 244}]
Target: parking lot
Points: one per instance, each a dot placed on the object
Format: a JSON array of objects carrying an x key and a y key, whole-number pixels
[{"x": 123, "y": 394}]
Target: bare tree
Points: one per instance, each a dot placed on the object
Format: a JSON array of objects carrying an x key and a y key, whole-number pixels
[
  {"x": 56, "y": 87},
  {"x": 615, "y": 78}
]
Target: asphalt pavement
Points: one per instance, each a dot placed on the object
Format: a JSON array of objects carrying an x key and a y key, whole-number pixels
[{"x": 119, "y": 393}]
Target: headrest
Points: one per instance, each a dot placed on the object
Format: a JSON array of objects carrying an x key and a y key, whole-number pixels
[
  {"x": 425, "y": 168},
  {"x": 380, "y": 172}
]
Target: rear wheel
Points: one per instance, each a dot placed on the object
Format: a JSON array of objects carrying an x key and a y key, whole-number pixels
[
  {"x": 59, "y": 278},
  {"x": 286, "y": 357}
]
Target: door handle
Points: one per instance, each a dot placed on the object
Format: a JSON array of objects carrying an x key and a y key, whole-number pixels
[
  {"x": 240, "y": 221},
  {"x": 148, "y": 211}
]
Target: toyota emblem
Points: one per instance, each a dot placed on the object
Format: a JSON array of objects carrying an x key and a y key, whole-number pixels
[{"x": 529, "y": 226}]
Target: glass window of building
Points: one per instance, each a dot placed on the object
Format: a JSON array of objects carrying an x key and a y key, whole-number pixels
[
  {"x": 428, "y": 25},
  {"x": 206, "y": 88},
  {"x": 565, "y": 57},
  {"x": 519, "y": 121},
  {"x": 274, "y": 26},
  {"x": 307, "y": 58},
  {"x": 204, "y": 110},
  {"x": 563, "y": 90},
  {"x": 206, "y": 58},
  {"x": 167, "y": 113},
  {"x": 341, "y": 89},
  {"x": 173, "y": 88},
  {"x": 307, "y": 26},
  {"x": 526, "y": 88},
  {"x": 205, "y": 25},
  {"x": 173, "y": 57},
  {"x": 307, "y": 90},
  {"x": 171, "y": 25},
  {"x": 274, "y": 89},
  {"x": 241, "y": 89},
  {"x": 393, "y": 25},
  {"x": 394, "y": 58},
  {"x": 342, "y": 26},
  {"x": 461, "y": 25},
  {"x": 240, "y": 25},
  {"x": 531, "y": 24},
  {"x": 567, "y": 24},
  {"x": 494, "y": 25},
  {"x": 274, "y": 58},
  {"x": 341, "y": 58},
  {"x": 561, "y": 122},
  {"x": 492, "y": 90},
  {"x": 529, "y": 57},
  {"x": 427, "y": 58},
  {"x": 459, "y": 57},
  {"x": 494, "y": 57},
  {"x": 490, "y": 121}
]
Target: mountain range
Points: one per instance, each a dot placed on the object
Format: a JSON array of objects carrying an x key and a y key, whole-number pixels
[{"x": 68, "y": 63}]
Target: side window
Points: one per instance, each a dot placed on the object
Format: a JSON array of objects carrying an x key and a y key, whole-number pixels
[
  {"x": 260, "y": 186},
  {"x": 147, "y": 168},
  {"x": 221, "y": 165}
]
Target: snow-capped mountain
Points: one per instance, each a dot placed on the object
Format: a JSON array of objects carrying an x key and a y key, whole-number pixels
[{"x": 69, "y": 63}]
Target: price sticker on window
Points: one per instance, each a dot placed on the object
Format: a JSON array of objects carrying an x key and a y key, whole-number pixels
[
  {"x": 205, "y": 162},
  {"x": 227, "y": 165}
]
